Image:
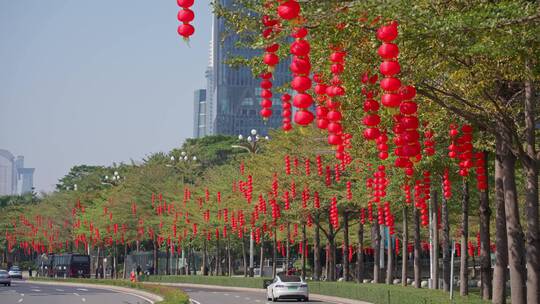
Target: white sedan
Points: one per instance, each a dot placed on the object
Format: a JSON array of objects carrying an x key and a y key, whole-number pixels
[{"x": 287, "y": 287}]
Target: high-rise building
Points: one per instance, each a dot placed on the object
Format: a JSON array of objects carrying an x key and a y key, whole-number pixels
[
  {"x": 235, "y": 93},
  {"x": 11, "y": 171},
  {"x": 199, "y": 114}
]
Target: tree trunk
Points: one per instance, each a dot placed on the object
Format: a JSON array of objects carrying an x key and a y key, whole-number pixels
[
  {"x": 463, "y": 270},
  {"x": 218, "y": 257},
  {"x": 205, "y": 258},
  {"x": 485, "y": 257},
  {"x": 501, "y": 242},
  {"x": 125, "y": 261},
  {"x": 288, "y": 248},
  {"x": 317, "y": 271},
  {"x": 331, "y": 270},
  {"x": 404, "y": 243},
  {"x": 229, "y": 258},
  {"x": 244, "y": 256},
  {"x": 376, "y": 240},
  {"x": 304, "y": 252},
  {"x": 514, "y": 232},
  {"x": 188, "y": 264},
  {"x": 360, "y": 254},
  {"x": 417, "y": 269},
  {"x": 390, "y": 262},
  {"x": 261, "y": 258},
  {"x": 531, "y": 165},
  {"x": 168, "y": 260},
  {"x": 435, "y": 229},
  {"x": 274, "y": 255},
  {"x": 156, "y": 258},
  {"x": 346, "y": 246},
  {"x": 446, "y": 245}
]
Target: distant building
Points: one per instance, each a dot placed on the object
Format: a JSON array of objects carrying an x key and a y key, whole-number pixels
[
  {"x": 12, "y": 171},
  {"x": 234, "y": 91},
  {"x": 199, "y": 114}
]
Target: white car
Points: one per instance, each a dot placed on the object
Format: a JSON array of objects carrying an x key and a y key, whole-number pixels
[
  {"x": 15, "y": 272},
  {"x": 287, "y": 287},
  {"x": 4, "y": 278}
]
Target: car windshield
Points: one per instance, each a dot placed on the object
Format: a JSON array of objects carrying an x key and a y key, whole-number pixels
[
  {"x": 3, "y": 272},
  {"x": 15, "y": 268},
  {"x": 80, "y": 259},
  {"x": 290, "y": 278}
]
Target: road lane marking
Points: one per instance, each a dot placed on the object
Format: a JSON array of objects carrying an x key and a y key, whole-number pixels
[
  {"x": 83, "y": 299},
  {"x": 257, "y": 300},
  {"x": 22, "y": 294},
  {"x": 20, "y": 300},
  {"x": 194, "y": 301},
  {"x": 36, "y": 290},
  {"x": 82, "y": 289},
  {"x": 237, "y": 296},
  {"x": 57, "y": 289},
  {"x": 247, "y": 299},
  {"x": 76, "y": 294},
  {"x": 226, "y": 294}
]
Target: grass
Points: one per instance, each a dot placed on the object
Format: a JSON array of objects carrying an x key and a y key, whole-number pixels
[
  {"x": 171, "y": 295},
  {"x": 374, "y": 293}
]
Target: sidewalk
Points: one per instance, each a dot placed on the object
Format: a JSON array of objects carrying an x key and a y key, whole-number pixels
[{"x": 313, "y": 296}]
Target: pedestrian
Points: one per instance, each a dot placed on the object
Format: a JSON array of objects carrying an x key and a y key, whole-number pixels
[{"x": 30, "y": 271}]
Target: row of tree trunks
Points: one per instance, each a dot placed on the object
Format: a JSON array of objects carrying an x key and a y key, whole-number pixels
[
  {"x": 530, "y": 163},
  {"x": 417, "y": 278},
  {"x": 304, "y": 253},
  {"x": 446, "y": 245},
  {"x": 485, "y": 258},
  {"x": 464, "y": 271},
  {"x": 376, "y": 240},
  {"x": 317, "y": 269},
  {"x": 404, "y": 241},
  {"x": 360, "y": 255},
  {"x": 435, "y": 233},
  {"x": 346, "y": 273},
  {"x": 501, "y": 249}
]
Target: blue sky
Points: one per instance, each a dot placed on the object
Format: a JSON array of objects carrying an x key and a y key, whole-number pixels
[{"x": 96, "y": 82}]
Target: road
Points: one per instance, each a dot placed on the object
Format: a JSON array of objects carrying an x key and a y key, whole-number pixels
[
  {"x": 34, "y": 293},
  {"x": 220, "y": 296}
]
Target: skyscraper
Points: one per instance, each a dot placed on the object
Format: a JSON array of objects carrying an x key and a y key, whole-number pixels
[
  {"x": 234, "y": 91},
  {"x": 199, "y": 114},
  {"x": 11, "y": 171}
]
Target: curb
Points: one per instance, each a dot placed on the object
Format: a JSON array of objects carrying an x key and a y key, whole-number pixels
[
  {"x": 313, "y": 296},
  {"x": 147, "y": 296}
]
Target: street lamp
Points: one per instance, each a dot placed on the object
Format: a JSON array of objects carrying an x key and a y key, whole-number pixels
[
  {"x": 251, "y": 145},
  {"x": 112, "y": 180}
]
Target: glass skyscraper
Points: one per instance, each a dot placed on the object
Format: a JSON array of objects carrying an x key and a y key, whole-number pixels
[{"x": 233, "y": 93}]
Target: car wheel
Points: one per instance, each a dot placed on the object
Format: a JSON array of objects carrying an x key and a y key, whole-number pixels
[
  {"x": 306, "y": 299},
  {"x": 9, "y": 284},
  {"x": 274, "y": 299}
]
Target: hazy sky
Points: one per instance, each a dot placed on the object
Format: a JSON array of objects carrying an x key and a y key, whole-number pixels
[{"x": 96, "y": 82}]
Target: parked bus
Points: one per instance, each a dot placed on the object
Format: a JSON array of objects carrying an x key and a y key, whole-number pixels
[{"x": 69, "y": 265}]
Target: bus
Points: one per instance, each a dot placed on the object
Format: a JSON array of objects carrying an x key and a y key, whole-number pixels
[{"x": 68, "y": 265}]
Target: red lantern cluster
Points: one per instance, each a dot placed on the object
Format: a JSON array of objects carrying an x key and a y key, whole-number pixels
[
  {"x": 447, "y": 184},
  {"x": 407, "y": 190},
  {"x": 481, "y": 180},
  {"x": 271, "y": 60},
  {"x": 185, "y": 15},
  {"x": 371, "y": 120},
  {"x": 322, "y": 110},
  {"x": 422, "y": 195},
  {"x": 461, "y": 148},
  {"x": 286, "y": 112},
  {"x": 266, "y": 94},
  {"x": 287, "y": 164},
  {"x": 334, "y": 215},
  {"x": 316, "y": 200},
  {"x": 382, "y": 145},
  {"x": 389, "y": 52},
  {"x": 301, "y": 67},
  {"x": 429, "y": 144},
  {"x": 336, "y": 137},
  {"x": 318, "y": 160},
  {"x": 349, "y": 191},
  {"x": 389, "y": 218},
  {"x": 407, "y": 138}
]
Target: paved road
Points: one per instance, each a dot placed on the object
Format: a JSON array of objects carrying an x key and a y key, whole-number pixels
[
  {"x": 219, "y": 296},
  {"x": 34, "y": 293}
]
